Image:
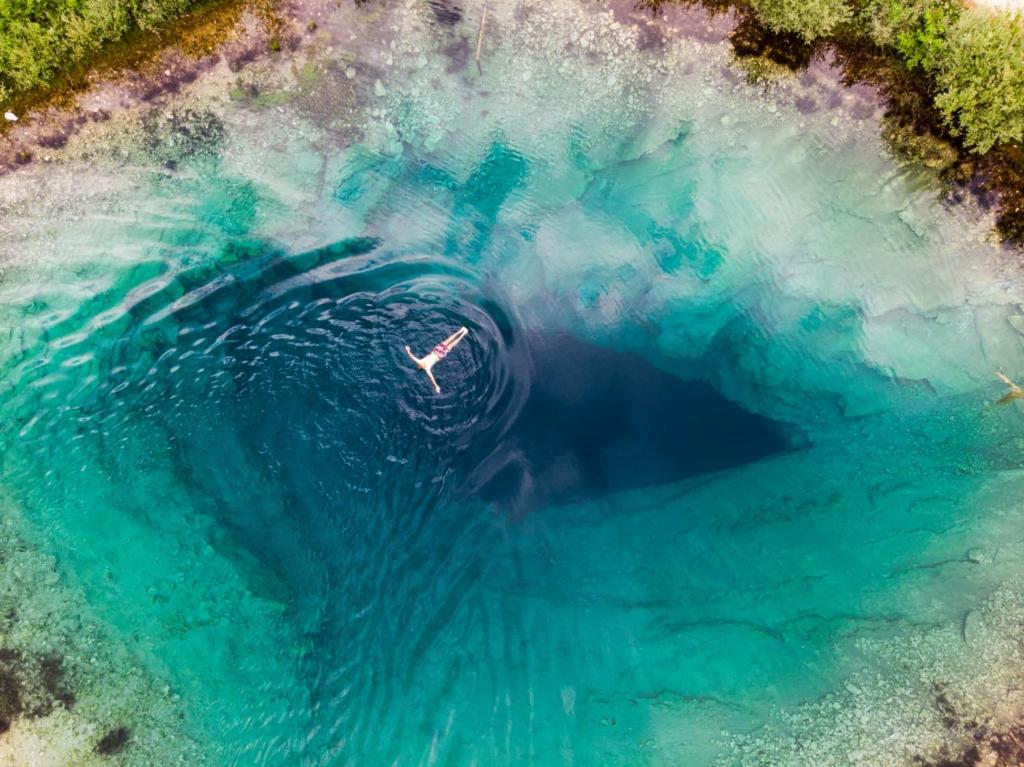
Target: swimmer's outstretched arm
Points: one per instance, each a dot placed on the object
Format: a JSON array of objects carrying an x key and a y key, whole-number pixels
[
  {"x": 1006, "y": 380},
  {"x": 433, "y": 380},
  {"x": 412, "y": 356}
]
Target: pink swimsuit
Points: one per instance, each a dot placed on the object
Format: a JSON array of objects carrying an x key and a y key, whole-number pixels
[{"x": 440, "y": 351}]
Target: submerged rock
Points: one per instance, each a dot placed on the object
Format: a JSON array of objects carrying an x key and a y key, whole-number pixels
[
  {"x": 912, "y": 145},
  {"x": 113, "y": 742},
  {"x": 31, "y": 686},
  {"x": 971, "y": 627},
  {"x": 446, "y": 12}
]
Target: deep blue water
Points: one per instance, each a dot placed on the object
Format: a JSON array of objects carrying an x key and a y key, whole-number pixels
[
  {"x": 598, "y": 422},
  {"x": 366, "y": 504}
]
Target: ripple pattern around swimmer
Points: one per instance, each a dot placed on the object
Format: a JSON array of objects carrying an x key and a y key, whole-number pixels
[{"x": 279, "y": 399}]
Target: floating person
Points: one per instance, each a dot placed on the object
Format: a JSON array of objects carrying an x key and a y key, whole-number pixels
[
  {"x": 1015, "y": 391},
  {"x": 437, "y": 354}
]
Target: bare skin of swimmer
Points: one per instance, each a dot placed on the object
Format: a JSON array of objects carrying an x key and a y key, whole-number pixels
[
  {"x": 437, "y": 354},
  {"x": 1014, "y": 393}
]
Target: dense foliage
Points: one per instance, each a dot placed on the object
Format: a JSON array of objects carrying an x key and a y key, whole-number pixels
[
  {"x": 39, "y": 38},
  {"x": 808, "y": 18},
  {"x": 974, "y": 57},
  {"x": 981, "y": 78},
  {"x": 917, "y": 29}
]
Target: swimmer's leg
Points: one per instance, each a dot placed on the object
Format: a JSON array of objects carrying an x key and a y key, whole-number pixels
[{"x": 450, "y": 342}]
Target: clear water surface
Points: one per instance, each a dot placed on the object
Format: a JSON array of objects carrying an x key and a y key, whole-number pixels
[{"x": 721, "y": 426}]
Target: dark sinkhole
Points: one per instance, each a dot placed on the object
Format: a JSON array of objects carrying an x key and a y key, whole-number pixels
[{"x": 598, "y": 421}]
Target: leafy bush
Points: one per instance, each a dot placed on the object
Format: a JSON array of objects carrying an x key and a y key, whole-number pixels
[
  {"x": 808, "y": 18},
  {"x": 39, "y": 38},
  {"x": 924, "y": 44},
  {"x": 917, "y": 29},
  {"x": 981, "y": 78}
]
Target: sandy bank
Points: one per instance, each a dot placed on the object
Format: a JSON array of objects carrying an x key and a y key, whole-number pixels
[{"x": 1011, "y": 6}]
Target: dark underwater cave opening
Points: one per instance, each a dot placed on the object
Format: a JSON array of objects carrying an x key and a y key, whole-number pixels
[{"x": 598, "y": 421}]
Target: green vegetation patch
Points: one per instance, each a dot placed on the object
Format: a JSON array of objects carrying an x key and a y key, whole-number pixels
[
  {"x": 810, "y": 19},
  {"x": 981, "y": 78},
  {"x": 973, "y": 57},
  {"x": 40, "y": 38},
  {"x": 952, "y": 75},
  {"x": 916, "y": 29}
]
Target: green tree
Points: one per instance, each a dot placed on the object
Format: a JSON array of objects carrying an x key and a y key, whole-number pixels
[
  {"x": 925, "y": 43},
  {"x": 981, "y": 78}
]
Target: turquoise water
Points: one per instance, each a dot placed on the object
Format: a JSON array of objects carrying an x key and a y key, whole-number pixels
[{"x": 720, "y": 438}]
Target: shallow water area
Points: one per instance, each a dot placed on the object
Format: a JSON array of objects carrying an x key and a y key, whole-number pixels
[{"x": 715, "y": 477}]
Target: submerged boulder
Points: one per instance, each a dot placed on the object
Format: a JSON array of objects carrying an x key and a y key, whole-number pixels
[{"x": 113, "y": 742}]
